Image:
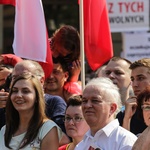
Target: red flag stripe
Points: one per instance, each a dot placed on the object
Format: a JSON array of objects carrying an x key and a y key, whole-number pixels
[
  {"x": 97, "y": 35},
  {"x": 8, "y": 2}
]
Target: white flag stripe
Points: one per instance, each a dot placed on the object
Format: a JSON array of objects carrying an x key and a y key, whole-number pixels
[{"x": 30, "y": 34}]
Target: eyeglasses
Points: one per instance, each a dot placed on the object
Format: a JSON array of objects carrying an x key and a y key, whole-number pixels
[
  {"x": 145, "y": 107},
  {"x": 75, "y": 119}
]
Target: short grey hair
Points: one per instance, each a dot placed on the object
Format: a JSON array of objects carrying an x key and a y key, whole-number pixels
[
  {"x": 107, "y": 86},
  {"x": 32, "y": 66}
]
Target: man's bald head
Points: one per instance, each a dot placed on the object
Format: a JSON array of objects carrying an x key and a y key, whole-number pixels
[{"x": 28, "y": 66}]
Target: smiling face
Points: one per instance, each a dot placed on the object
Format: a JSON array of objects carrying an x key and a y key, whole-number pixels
[
  {"x": 23, "y": 96},
  {"x": 56, "y": 80},
  {"x": 75, "y": 129},
  {"x": 140, "y": 77}
]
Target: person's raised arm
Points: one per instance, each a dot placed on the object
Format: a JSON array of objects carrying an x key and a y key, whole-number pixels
[
  {"x": 75, "y": 71},
  {"x": 130, "y": 108}
]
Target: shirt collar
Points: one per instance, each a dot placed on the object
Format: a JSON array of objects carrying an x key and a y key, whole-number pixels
[
  {"x": 110, "y": 127},
  {"x": 107, "y": 129}
]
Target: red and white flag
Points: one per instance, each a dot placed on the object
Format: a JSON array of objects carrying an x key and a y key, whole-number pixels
[
  {"x": 7, "y": 2},
  {"x": 97, "y": 34},
  {"x": 30, "y": 34}
]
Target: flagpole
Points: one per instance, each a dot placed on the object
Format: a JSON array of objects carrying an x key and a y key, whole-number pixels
[{"x": 81, "y": 20}]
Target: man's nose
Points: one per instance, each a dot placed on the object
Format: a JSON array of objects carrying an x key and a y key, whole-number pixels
[
  {"x": 134, "y": 83},
  {"x": 111, "y": 75},
  {"x": 52, "y": 75},
  {"x": 88, "y": 104}
]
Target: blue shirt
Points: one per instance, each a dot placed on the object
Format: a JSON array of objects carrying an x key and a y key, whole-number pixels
[{"x": 55, "y": 109}]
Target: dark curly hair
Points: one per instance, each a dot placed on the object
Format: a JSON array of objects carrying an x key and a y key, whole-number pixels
[{"x": 75, "y": 100}]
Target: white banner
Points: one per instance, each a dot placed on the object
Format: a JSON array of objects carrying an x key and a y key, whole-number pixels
[
  {"x": 128, "y": 15},
  {"x": 136, "y": 45}
]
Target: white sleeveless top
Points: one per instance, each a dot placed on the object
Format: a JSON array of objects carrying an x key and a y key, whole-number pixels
[{"x": 34, "y": 145}]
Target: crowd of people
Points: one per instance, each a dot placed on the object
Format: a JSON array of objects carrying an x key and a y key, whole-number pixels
[{"x": 112, "y": 112}]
